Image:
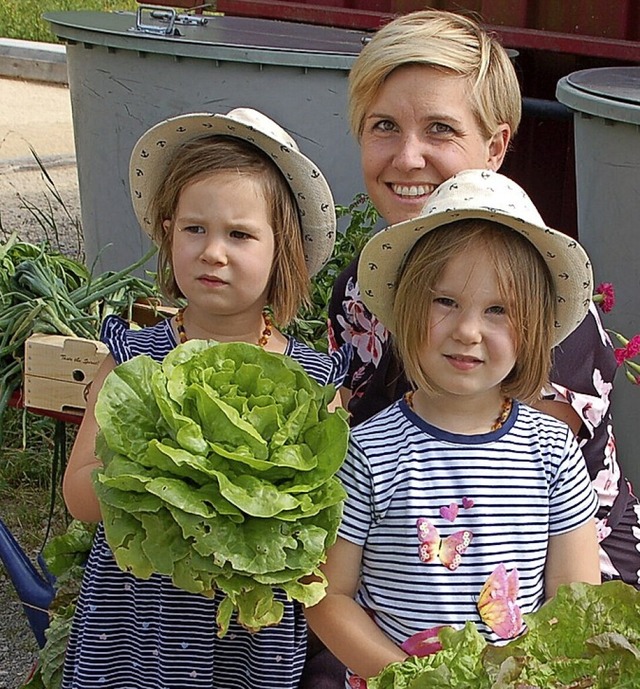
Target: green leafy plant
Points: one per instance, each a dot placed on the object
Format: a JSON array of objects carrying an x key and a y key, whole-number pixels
[
  {"x": 54, "y": 218},
  {"x": 586, "y": 637},
  {"x": 44, "y": 291},
  {"x": 311, "y": 324},
  {"x": 219, "y": 469},
  {"x": 65, "y": 557}
]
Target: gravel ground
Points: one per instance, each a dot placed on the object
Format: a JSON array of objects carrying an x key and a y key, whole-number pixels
[
  {"x": 23, "y": 186},
  {"x": 20, "y": 183},
  {"x": 18, "y": 648}
]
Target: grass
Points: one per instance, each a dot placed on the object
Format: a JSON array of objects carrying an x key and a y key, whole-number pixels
[
  {"x": 26, "y": 478},
  {"x": 22, "y": 19}
]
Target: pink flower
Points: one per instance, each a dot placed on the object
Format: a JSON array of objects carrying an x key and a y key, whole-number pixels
[
  {"x": 367, "y": 337},
  {"x": 605, "y": 296},
  {"x": 629, "y": 351},
  {"x": 620, "y": 354},
  {"x": 633, "y": 347}
]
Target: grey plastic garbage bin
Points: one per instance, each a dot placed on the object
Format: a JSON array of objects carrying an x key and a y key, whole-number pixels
[
  {"x": 128, "y": 71},
  {"x": 606, "y": 104}
]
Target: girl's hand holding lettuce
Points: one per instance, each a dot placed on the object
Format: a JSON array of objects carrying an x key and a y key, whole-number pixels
[{"x": 218, "y": 471}]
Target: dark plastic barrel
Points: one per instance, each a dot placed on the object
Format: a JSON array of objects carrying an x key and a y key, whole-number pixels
[{"x": 606, "y": 105}]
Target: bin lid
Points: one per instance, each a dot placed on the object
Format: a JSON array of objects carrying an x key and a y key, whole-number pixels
[
  {"x": 238, "y": 39},
  {"x": 609, "y": 92}
]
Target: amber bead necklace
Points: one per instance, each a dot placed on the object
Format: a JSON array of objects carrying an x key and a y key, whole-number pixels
[
  {"x": 505, "y": 409},
  {"x": 264, "y": 337}
]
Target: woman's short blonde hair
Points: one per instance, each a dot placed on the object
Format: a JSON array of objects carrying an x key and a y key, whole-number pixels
[
  {"x": 447, "y": 41},
  {"x": 205, "y": 156},
  {"x": 525, "y": 285}
]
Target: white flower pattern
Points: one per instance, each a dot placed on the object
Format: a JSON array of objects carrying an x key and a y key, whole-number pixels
[{"x": 363, "y": 330}]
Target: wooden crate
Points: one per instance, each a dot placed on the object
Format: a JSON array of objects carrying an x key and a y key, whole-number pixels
[{"x": 58, "y": 370}]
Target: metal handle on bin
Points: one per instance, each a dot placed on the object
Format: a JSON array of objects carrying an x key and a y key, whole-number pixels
[
  {"x": 168, "y": 18},
  {"x": 168, "y": 15}
]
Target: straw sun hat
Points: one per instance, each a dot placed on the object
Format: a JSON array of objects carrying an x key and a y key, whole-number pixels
[
  {"x": 485, "y": 195},
  {"x": 155, "y": 149}
]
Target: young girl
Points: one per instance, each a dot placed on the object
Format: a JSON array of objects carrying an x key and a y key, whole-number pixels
[
  {"x": 464, "y": 502},
  {"x": 242, "y": 220}
]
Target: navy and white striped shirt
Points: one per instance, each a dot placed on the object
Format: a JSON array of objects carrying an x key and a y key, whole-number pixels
[
  {"x": 511, "y": 489},
  {"x": 130, "y": 633},
  {"x": 158, "y": 341}
]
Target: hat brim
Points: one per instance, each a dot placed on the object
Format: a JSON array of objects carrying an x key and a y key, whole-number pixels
[
  {"x": 154, "y": 151},
  {"x": 384, "y": 255}
]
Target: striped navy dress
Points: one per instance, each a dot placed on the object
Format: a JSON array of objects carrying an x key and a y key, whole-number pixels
[
  {"x": 133, "y": 634},
  {"x": 511, "y": 489}
]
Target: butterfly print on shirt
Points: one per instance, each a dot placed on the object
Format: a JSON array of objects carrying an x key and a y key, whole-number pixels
[{"x": 448, "y": 550}]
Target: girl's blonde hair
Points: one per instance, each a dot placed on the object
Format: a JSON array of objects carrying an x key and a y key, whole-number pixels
[
  {"x": 446, "y": 41},
  {"x": 525, "y": 285},
  {"x": 204, "y": 156}
]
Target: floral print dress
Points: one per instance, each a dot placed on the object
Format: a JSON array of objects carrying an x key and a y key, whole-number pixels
[{"x": 582, "y": 376}]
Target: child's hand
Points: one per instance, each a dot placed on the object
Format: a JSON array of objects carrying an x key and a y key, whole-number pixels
[{"x": 421, "y": 644}]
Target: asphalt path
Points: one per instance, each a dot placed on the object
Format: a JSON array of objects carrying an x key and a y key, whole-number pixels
[{"x": 36, "y": 116}]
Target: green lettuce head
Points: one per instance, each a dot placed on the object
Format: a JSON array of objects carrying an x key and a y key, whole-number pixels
[
  {"x": 219, "y": 471},
  {"x": 586, "y": 637}
]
